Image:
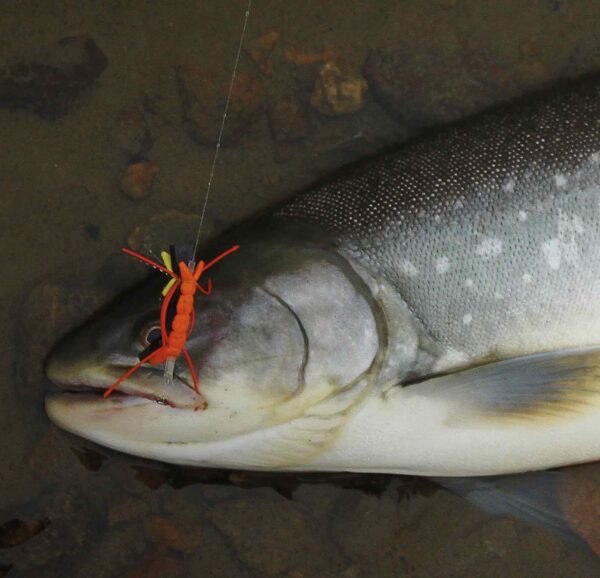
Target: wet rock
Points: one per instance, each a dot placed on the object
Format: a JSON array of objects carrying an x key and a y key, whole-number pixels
[
  {"x": 49, "y": 81},
  {"x": 164, "y": 229},
  {"x": 288, "y": 119},
  {"x": 137, "y": 179},
  {"x": 181, "y": 534},
  {"x": 579, "y": 498},
  {"x": 261, "y": 51},
  {"x": 215, "y": 559},
  {"x": 126, "y": 509},
  {"x": 187, "y": 502},
  {"x": 338, "y": 90},
  {"x": 47, "y": 313},
  {"x": 404, "y": 85},
  {"x": 65, "y": 518},
  {"x": 51, "y": 459},
  {"x": 219, "y": 492},
  {"x": 303, "y": 58},
  {"x": 52, "y": 570},
  {"x": 92, "y": 231},
  {"x": 321, "y": 500},
  {"x": 15, "y": 532},
  {"x": 152, "y": 478},
  {"x": 132, "y": 135},
  {"x": 114, "y": 553},
  {"x": 451, "y": 534},
  {"x": 437, "y": 74},
  {"x": 89, "y": 458},
  {"x": 116, "y": 274},
  {"x": 204, "y": 93},
  {"x": 159, "y": 567},
  {"x": 366, "y": 526},
  {"x": 272, "y": 536}
]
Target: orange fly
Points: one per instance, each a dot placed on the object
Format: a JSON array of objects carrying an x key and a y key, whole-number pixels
[{"x": 177, "y": 314}]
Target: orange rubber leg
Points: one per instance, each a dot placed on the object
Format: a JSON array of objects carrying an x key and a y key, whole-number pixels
[{"x": 192, "y": 370}]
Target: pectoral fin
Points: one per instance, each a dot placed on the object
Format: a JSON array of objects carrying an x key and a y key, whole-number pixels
[
  {"x": 565, "y": 502},
  {"x": 530, "y": 497},
  {"x": 293, "y": 443},
  {"x": 545, "y": 385}
]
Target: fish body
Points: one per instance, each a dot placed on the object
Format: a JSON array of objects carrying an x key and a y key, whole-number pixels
[{"x": 433, "y": 312}]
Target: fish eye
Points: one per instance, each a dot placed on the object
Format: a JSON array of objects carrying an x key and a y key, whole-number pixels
[{"x": 149, "y": 334}]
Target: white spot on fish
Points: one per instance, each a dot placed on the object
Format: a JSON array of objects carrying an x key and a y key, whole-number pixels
[
  {"x": 458, "y": 204},
  {"x": 527, "y": 278},
  {"x": 564, "y": 247},
  {"x": 437, "y": 219},
  {"x": 408, "y": 268},
  {"x": 449, "y": 360},
  {"x": 442, "y": 265},
  {"x": 498, "y": 295},
  {"x": 522, "y": 216},
  {"x": 489, "y": 248},
  {"x": 509, "y": 186},
  {"x": 552, "y": 253},
  {"x": 572, "y": 225},
  {"x": 595, "y": 157},
  {"x": 560, "y": 180},
  {"x": 569, "y": 227},
  {"x": 469, "y": 283},
  {"x": 467, "y": 319}
]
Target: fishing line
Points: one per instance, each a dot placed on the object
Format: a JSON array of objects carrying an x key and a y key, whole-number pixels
[
  {"x": 218, "y": 145},
  {"x": 174, "y": 337}
]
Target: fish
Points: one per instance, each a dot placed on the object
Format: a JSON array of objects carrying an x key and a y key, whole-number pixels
[{"x": 433, "y": 311}]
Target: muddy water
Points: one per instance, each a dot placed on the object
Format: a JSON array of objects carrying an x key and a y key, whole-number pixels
[{"x": 71, "y": 509}]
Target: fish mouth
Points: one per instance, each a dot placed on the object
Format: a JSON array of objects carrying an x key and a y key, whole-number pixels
[{"x": 90, "y": 383}]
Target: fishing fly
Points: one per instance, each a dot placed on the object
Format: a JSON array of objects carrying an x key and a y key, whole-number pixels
[{"x": 177, "y": 313}]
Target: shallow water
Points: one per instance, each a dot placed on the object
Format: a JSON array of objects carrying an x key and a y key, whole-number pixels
[{"x": 86, "y": 511}]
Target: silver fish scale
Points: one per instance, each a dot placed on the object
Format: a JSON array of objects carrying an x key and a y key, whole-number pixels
[{"x": 489, "y": 229}]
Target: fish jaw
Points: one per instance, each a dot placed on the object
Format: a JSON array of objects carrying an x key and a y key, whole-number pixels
[{"x": 135, "y": 426}]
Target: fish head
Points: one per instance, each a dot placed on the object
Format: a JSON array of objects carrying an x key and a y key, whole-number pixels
[{"x": 285, "y": 328}]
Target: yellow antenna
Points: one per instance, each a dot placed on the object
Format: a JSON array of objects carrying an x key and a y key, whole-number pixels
[{"x": 166, "y": 257}]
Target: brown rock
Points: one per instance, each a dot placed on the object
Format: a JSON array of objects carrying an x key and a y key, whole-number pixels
[
  {"x": 163, "y": 229},
  {"x": 48, "y": 312},
  {"x": 262, "y": 49},
  {"x": 137, "y": 180},
  {"x": 302, "y": 58},
  {"x": 288, "y": 119},
  {"x": 338, "y": 90},
  {"x": 112, "y": 553},
  {"x": 366, "y": 526},
  {"x": 181, "y": 535},
  {"x": 152, "y": 478},
  {"x": 579, "y": 498},
  {"x": 187, "y": 501},
  {"x": 215, "y": 559},
  {"x": 126, "y": 509},
  {"x": 51, "y": 459},
  {"x": 204, "y": 93},
  {"x": 132, "y": 135},
  {"x": 61, "y": 530},
  {"x": 158, "y": 567},
  {"x": 273, "y": 536},
  {"x": 531, "y": 48},
  {"x": 451, "y": 537},
  {"x": 48, "y": 82},
  {"x": 15, "y": 532}
]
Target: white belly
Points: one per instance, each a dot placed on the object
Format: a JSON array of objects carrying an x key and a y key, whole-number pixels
[{"x": 409, "y": 434}]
